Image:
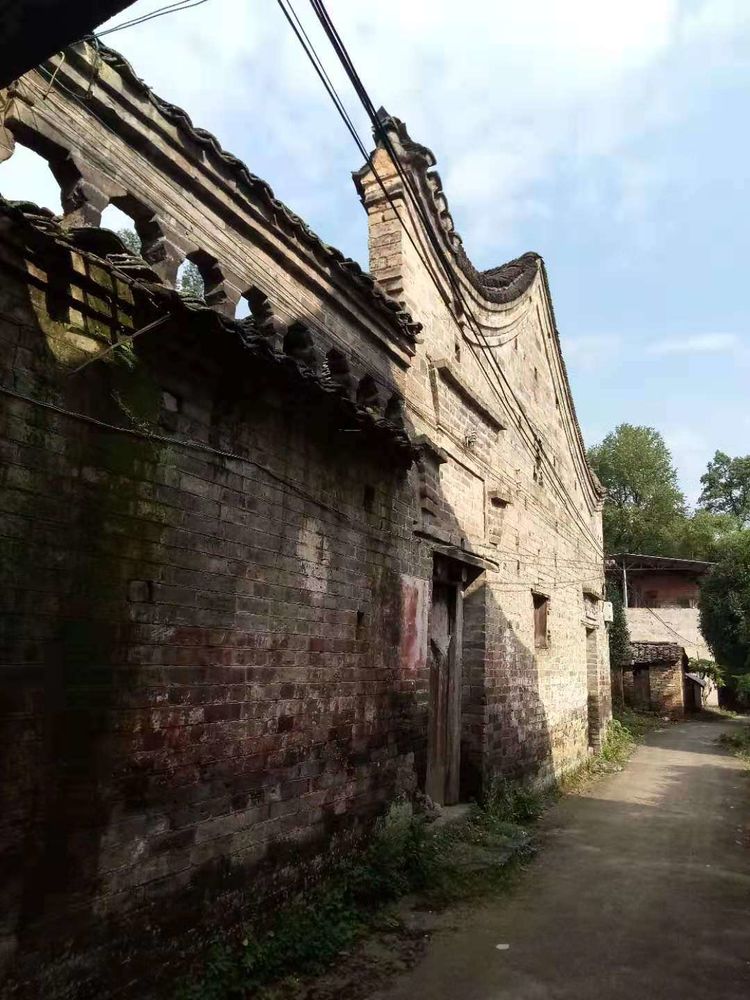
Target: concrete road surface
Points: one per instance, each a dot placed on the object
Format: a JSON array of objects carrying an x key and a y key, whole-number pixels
[{"x": 641, "y": 892}]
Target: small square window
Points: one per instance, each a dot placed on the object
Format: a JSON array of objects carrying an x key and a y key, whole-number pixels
[{"x": 541, "y": 609}]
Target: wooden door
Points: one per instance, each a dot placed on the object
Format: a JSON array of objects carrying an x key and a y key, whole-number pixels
[
  {"x": 641, "y": 687},
  {"x": 444, "y": 725}
]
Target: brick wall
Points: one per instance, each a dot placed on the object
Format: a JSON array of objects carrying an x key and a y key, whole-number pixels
[
  {"x": 664, "y": 663},
  {"x": 516, "y": 444},
  {"x": 202, "y": 669},
  {"x": 219, "y": 556}
]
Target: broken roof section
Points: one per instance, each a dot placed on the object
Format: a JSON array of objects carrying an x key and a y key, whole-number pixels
[{"x": 110, "y": 139}]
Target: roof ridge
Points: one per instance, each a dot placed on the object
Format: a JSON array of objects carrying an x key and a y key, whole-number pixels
[{"x": 362, "y": 279}]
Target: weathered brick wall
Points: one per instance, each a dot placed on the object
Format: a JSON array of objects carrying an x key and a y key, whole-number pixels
[
  {"x": 665, "y": 662},
  {"x": 218, "y": 645},
  {"x": 515, "y": 442},
  {"x": 667, "y": 688},
  {"x": 204, "y": 672},
  {"x": 680, "y": 625},
  {"x": 671, "y": 590}
]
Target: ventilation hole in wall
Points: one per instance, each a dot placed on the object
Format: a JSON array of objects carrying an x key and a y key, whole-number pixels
[
  {"x": 360, "y": 622},
  {"x": 367, "y": 393},
  {"x": 170, "y": 402},
  {"x": 189, "y": 281},
  {"x": 518, "y": 567},
  {"x": 124, "y": 225},
  {"x": 536, "y": 374},
  {"x": 368, "y": 499},
  {"x": 27, "y": 176},
  {"x": 243, "y": 308}
]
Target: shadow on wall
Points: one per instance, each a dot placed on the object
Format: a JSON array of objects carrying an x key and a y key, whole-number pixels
[{"x": 206, "y": 683}]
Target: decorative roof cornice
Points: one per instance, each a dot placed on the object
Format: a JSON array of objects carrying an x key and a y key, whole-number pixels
[
  {"x": 501, "y": 285},
  {"x": 248, "y": 184}
]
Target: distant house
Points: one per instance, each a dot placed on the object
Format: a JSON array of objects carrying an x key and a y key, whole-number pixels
[{"x": 661, "y": 601}]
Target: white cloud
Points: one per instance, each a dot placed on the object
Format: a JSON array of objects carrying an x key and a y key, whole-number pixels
[
  {"x": 507, "y": 94},
  {"x": 702, "y": 343}
]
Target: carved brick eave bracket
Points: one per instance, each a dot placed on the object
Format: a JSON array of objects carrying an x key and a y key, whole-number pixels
[{"x": 89, "y": 274}]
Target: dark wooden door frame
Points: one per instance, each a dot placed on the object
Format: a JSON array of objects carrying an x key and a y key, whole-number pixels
[{"x": 442, "y": 782}]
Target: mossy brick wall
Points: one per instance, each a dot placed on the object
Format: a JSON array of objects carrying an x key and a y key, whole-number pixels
[{"x": 201, "y": 671}]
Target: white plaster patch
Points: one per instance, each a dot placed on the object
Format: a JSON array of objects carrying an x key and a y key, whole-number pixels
[{"x": 314, "y": 552}]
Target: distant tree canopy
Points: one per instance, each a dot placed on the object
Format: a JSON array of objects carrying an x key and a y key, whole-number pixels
[
  {"x": 726, "y": 487},
  {"x": 189, "y": 281},
  {"x": 644, "y": 501},
  {"x": 131, "y": 239},
  {"x": 725, "y": 605},
  {"x": 645, "y": 511}
]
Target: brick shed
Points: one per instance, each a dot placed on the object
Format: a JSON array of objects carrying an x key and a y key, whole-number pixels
[
  {"x": 656, "y": 679},
  {"x": 261, "y": 576}
]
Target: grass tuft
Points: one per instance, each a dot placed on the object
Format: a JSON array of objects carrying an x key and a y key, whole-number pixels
[
  {"x": 738, "y": 743},
  {"x": 441, "y": 863}
]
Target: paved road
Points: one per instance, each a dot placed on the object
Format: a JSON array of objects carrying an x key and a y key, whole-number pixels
[{"x": 642, "y": 892}]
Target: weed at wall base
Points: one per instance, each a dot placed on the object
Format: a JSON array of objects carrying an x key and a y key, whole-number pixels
[{"x": 443, "y": 864}]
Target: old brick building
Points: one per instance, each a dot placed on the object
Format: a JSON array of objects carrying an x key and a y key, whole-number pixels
[
  {"x": 661, "y": 606},
  {"x": 260, "y": 576}
]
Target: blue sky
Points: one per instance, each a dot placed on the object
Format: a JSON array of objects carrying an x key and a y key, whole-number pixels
[{"x": 610, "y": 137}]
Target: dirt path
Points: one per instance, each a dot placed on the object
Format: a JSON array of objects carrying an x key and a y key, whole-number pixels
[{"x": 641, "y": 892}]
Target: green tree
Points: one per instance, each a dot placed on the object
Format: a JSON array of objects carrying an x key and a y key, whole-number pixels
[
  {"x": 725, "y": 605},
  {"x": 644, "y": 505},
  {"x": 190, "y": 281},
  {"x": 619, "y": 633},
  {"x": 701, "y": 535},
  {"x": 726, "y": 487},
  {"x": 131, "y": 239}
]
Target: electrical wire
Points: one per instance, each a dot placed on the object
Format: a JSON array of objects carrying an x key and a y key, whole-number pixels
[
  {"x": 173, "y": 8},
  {"x": 538, "y": 506},
  {"x": 689, "y": 642},
  {"x": 534, "y": 444},
  {"x": 172, "y": 441},
  {"x": 542, "y": 512}
]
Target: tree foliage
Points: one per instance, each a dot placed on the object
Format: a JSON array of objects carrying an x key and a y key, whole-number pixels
[
  {"x": 699, "y": 535},
  {"x": 619, "y": 633},
  {"x": 725, "y": 605},
  {"x": 726, "y": 487},
  {"x": 190, "y": 281},
  {"x": 643, "y": 502},
  {"x": 131, "y": 239},
  {"x": 709, "y": 669}
]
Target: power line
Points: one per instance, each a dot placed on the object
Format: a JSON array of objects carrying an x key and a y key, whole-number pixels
[
  {"x": 546, "y": 515},
  {"x": 173, "y": 441},
  {"x": 172, "y": 8},
  {"x": 381, "y": 133},
  {"x": 534, "y": 500}
]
